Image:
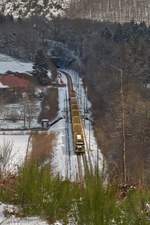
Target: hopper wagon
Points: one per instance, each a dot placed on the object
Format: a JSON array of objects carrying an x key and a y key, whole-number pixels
[
  {"x": 76, "y": 119},
  {"x": 75, "y": 113},
  {"x": 77, "y": 128},
  {"x": 74, "y": 107},
  {"x": 78, "y": 139}
]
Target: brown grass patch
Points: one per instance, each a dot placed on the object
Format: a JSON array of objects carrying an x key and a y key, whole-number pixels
[
  {"x": 50, "y": 105},
  {"x": 42, "y": 147}
]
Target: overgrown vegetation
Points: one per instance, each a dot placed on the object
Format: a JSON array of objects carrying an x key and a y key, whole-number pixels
[{"x": 36, "y": 192}]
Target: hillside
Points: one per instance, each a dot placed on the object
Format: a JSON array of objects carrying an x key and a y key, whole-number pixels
[
  {"x": 110, "y": 10},
  {"x": 74, "y": 112}
]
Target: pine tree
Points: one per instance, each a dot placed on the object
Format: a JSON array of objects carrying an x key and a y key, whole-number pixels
[
  {"x": 118, "y": 36},
  {"x": 2, "y": 18},
  {"x": 106, "y": 33},
  {"x": 40, "y": 67}
]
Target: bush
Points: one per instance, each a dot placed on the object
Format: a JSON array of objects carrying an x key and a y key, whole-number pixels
[
  {"x": 41, "y": 194},
  {"x": 38, "y": 193}
]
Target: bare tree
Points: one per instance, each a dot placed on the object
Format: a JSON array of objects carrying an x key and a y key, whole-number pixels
[
  {"x": 5, "y": 157},
  {"x": 28, "y": 111}
]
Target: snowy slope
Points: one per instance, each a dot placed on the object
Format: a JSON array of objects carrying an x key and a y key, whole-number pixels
[
  {"x": 14, "y": 65},
  {"x": 26, "y": 8},
  {"x": 104, "y": 10}
]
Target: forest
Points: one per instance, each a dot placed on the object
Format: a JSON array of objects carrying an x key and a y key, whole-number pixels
[
  {"x": 110, "y": 10},
  {"x": 103, "y": 49}
]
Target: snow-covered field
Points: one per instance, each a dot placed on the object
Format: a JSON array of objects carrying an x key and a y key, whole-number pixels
[
  {"x": 25, "y": 114},
  {"x": 14, "y": 65},
  {"x": 16, "y": 145}
]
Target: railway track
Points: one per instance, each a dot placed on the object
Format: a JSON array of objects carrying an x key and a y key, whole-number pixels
[
  {"x": 80, "y": 170},
  {"x": 68, "y": 161},
  {"x": 68, "y": 137},
  {"x": 87, "y": 154},
  {"x": 83, "y": 158}
]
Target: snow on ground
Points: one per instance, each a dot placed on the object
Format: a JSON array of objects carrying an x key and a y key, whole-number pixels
[
  {"x": 8, "y": 63},
  {"x": 17, "y": 147},
  {"x": 12, "y": 220},
  {"x": 49, "y": 74},
  {"x": 93, "y": 151},
  {"x": 14, "y": 65},
  {"x": 64, "y": 160},
  {"x": 24, "y": 113},
  {"x": 3, "y": 86},
  {"x": 59, "y": 157}
]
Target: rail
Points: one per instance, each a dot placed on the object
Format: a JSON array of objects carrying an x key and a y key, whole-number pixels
[{"x": 83, "y": 159}]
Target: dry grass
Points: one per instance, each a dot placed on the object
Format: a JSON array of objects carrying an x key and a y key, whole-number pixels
[
  {"x": 42, "y": 147},
  {"x": 50, "y": 105}
]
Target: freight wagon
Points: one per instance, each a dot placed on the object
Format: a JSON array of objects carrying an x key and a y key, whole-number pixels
[{"x": 78, "y": 138}]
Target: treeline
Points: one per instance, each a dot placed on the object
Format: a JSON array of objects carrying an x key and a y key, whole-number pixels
[
  {"x": 5, "y": 19},
  {"x": 21, "y": 38},
  {"x": 102, "y": 10},
  {"x": 110, "y": 10},
  {"x": 101, "y": 47}
]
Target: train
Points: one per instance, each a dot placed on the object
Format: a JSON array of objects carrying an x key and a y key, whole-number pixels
[{"x": 77, "y": 130}]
